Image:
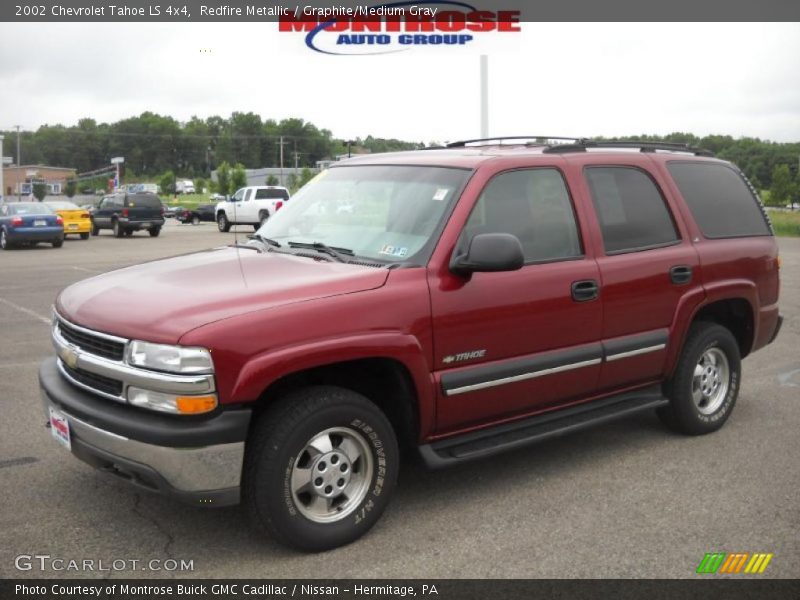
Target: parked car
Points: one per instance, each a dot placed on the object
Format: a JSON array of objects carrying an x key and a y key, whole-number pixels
[
  {"x": 77, "y": 221},
  {"x": 480, "y": 298},
  {"x": 203, "y": 212},
  {"x": 28, "y": 223},
  {"x": 170, "y": 211},
  {"x": 184, "y": 186},
  {"x": 251, "y": 205},
  {"x": 125, "y": 213}
]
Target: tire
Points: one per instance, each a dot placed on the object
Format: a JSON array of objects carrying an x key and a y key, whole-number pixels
[
  {"x": 84, "y": 236},
  {"x": 354, "y": 474},
  {"x": 128, "y": 232},
  {"x": 95, "y": 229},
  {"x": 222, "y": 223},
  {"x": 263, "y": 217},
  {"x": 195, "y": 220},
  {"x": 705, "y": 386},
  {"x": 57, "y": 243},
  {"x": 154, "y": 231},
  {"x": 118, "y": 230},
  {"x": 5, "y": 244}
]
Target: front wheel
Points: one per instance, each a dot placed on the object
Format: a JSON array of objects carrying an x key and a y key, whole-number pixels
[
  {"x": 320, "y": 468},
  {"x": 222, "y": 223},
  {"x": 95, "y": 229},
  {"x": 195, "y": 220},
  {"x": 705, "y": 385}
]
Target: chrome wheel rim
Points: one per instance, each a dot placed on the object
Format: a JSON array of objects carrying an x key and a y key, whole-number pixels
[
  {"x": 331, "y": 475},
  {"x": 710, "y": 381}
]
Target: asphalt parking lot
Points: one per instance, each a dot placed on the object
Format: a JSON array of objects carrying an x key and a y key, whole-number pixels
[{"x": 628, "y": 499}]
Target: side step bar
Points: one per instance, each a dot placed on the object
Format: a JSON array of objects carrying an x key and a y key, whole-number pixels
[{"x": 500, "y": 438}]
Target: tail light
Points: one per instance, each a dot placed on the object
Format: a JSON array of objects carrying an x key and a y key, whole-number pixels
[
  {"x": 85, "y": 216},
  {"x": 16, "y": 221},
  {"x": 124, "y": 212},
  {"x": 59, "y": 220},
  {"x": 278, "y": 206}
]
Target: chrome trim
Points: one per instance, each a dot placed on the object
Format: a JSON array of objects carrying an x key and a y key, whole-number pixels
[
  {"x": 99, "y": 334},
  {"x": 637, "y": 352},
  {"x": 129, "y": 376},
  {"x": 205, "y": 468},
  {"x": 88, "y": 388},
  {"x": 523, "y": 377}
]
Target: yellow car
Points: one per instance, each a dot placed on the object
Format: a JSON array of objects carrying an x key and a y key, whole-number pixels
[{"x": 76, "y": 220}]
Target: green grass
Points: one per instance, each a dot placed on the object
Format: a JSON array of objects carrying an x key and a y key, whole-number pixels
[
  {"x": 785, "y": 223},
  {"x": 188, "y": 200}
]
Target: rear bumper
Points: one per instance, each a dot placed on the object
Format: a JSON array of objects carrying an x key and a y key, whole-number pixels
[
  {"x": 142, "y": 224},
  {"x": 195, "y": 461},
  {"x": 82, "y": 227},
  {"x": 34, "y": 234}
]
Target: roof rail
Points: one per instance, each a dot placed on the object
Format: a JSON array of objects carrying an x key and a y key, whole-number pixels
[
  {"x": 643, "y": 146},
  {"x": 463, "y": 143}
]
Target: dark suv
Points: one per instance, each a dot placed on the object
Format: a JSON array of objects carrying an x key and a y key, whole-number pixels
[
  {"x": 474, "y": 299},
  {"x": 125, "y": 213}
]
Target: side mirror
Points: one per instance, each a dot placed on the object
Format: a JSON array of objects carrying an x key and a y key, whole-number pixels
[{"x": 489, "y": 253}]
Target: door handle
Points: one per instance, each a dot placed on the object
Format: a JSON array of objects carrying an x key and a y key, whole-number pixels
[
  {"x": 680, "y": 274},
  {"x": 583, "y": 291}
]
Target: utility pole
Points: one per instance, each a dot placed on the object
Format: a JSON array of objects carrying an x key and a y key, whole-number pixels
[
  {"x": 484, "y": 96},
  {"x": 19, "y": 168},
  {"x": 282, "y": 143},
  {"x": 2, "y": 167},
  {"x": 296, "y": 157}
]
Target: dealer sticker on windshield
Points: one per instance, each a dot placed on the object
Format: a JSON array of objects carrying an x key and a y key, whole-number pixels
[
  {"x": 441, "y": 194},
  {"x": 399, "y": 251},
  {"x": 59, "y": 428}
]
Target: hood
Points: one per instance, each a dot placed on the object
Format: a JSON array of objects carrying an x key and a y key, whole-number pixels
[{"x": 161, "y": 301}]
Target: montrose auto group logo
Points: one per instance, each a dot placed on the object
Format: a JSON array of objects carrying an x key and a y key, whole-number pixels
[{"x": 395, "y": 27}]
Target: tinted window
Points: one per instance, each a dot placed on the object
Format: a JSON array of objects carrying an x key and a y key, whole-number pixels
[
  {"x": 29, "y": 208},
  {"x": 267, "y": 194},
  {"x": 719, "y": 199},
  {"x": 147, "y": 200},
  {"x": 630, "y": 209},
  {"x": 533, "y": 205}
]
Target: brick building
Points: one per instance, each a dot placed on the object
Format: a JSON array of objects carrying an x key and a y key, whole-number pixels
[{"x": 21, "y": 179}]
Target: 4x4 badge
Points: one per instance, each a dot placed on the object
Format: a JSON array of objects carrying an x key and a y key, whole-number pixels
[{"x": 464, "y": 356}]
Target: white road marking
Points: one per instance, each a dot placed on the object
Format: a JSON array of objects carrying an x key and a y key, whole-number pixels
[{"x": 27, "y": 311}]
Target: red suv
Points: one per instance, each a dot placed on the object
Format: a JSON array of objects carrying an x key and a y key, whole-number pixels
[{"x": 477, "y": 298}]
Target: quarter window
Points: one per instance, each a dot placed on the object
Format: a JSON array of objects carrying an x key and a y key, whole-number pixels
[
  {"x": 719, "y": 199},
  {"x": 533, "y": 205},
  {"x": 632, "y": 213}
]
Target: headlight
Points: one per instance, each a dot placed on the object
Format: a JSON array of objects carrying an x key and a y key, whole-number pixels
[
  {"x": 183, "y": 405},
  {"x": 172, "y": 359}
]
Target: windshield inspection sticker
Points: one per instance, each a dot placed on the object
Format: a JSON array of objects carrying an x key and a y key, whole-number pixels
[
  {"x": 399, "y": 251},
  {"x": 440, "y": 194}
]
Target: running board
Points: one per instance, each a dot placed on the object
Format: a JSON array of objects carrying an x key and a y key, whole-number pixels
[{"x": 508, "y": 436}]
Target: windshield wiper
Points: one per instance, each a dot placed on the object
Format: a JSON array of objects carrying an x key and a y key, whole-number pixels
[
  {"x": 339, "y": 254},
  {"x": 263, "y": 240}
]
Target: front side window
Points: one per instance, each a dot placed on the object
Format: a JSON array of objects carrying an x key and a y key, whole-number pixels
[
  {"x": 384, "y": 213},
  {"x": 632, "y": 213},
  {"x": 534, "y": 206}
]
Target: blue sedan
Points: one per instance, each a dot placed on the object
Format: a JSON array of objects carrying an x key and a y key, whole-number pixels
[{"x": 29, "y": 223}]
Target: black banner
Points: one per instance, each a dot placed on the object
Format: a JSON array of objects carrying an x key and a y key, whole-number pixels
[
  {"x": 439, "y": 589},
  {"x": 106, "y": 11}
]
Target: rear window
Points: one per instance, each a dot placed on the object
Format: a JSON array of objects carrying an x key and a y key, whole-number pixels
[
  {"x": 272, "y": 194},
  {"x": 720, "y": 200},
  {"x": 29, "y": 208},
  {"x": 62, "y": 206},
  {"x": 146, "y": 200}
]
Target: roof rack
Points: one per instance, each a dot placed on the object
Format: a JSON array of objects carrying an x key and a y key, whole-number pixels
[
  {"x": 583, "y": 144},
  {"x": 462, "y": 143}
]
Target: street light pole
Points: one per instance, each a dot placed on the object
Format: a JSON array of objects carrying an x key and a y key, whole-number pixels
[
  {"x": 2, "y": 168},
  {"x": 19, "y": 168}
]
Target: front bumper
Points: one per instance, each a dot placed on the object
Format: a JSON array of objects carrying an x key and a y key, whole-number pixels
[{"x": 198, "y": 461}]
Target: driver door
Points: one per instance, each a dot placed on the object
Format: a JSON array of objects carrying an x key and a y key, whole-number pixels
[{"x": 518, "y": 342}]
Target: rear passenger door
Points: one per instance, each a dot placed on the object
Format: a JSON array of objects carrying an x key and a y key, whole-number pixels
[
  {"x": 511, "y": 343},
  {"x": 648, "y": 267}
]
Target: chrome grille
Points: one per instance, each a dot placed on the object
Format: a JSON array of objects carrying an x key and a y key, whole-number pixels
[
  {"x": 94, "y": 381},
  {"x": 92, "y": 344}
]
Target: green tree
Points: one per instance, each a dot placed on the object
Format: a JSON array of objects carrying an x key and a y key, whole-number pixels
[
  {"x": 238, "y": 177},
  {"x": 291, "y": 183},
  {"x": 306, "y": 175},
  {"x": 199, "y": 185},
  {"x": 224, "y": 178},
  {"x": 167, "y": 182},
  {"x": 39, "y": 190},
  {"x": 71, "y": 188},
  {"x": 780, "y": 192},
  {"x": 271, "y": 180}
]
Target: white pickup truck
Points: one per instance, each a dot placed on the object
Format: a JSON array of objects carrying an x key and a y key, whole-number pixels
[{"x": 251, "y": 205}]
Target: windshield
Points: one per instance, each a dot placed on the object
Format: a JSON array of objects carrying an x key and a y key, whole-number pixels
[{"x": 385, "y": 213}]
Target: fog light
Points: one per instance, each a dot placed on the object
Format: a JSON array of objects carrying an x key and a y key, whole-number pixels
[{"x": 184, "y": 405}]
